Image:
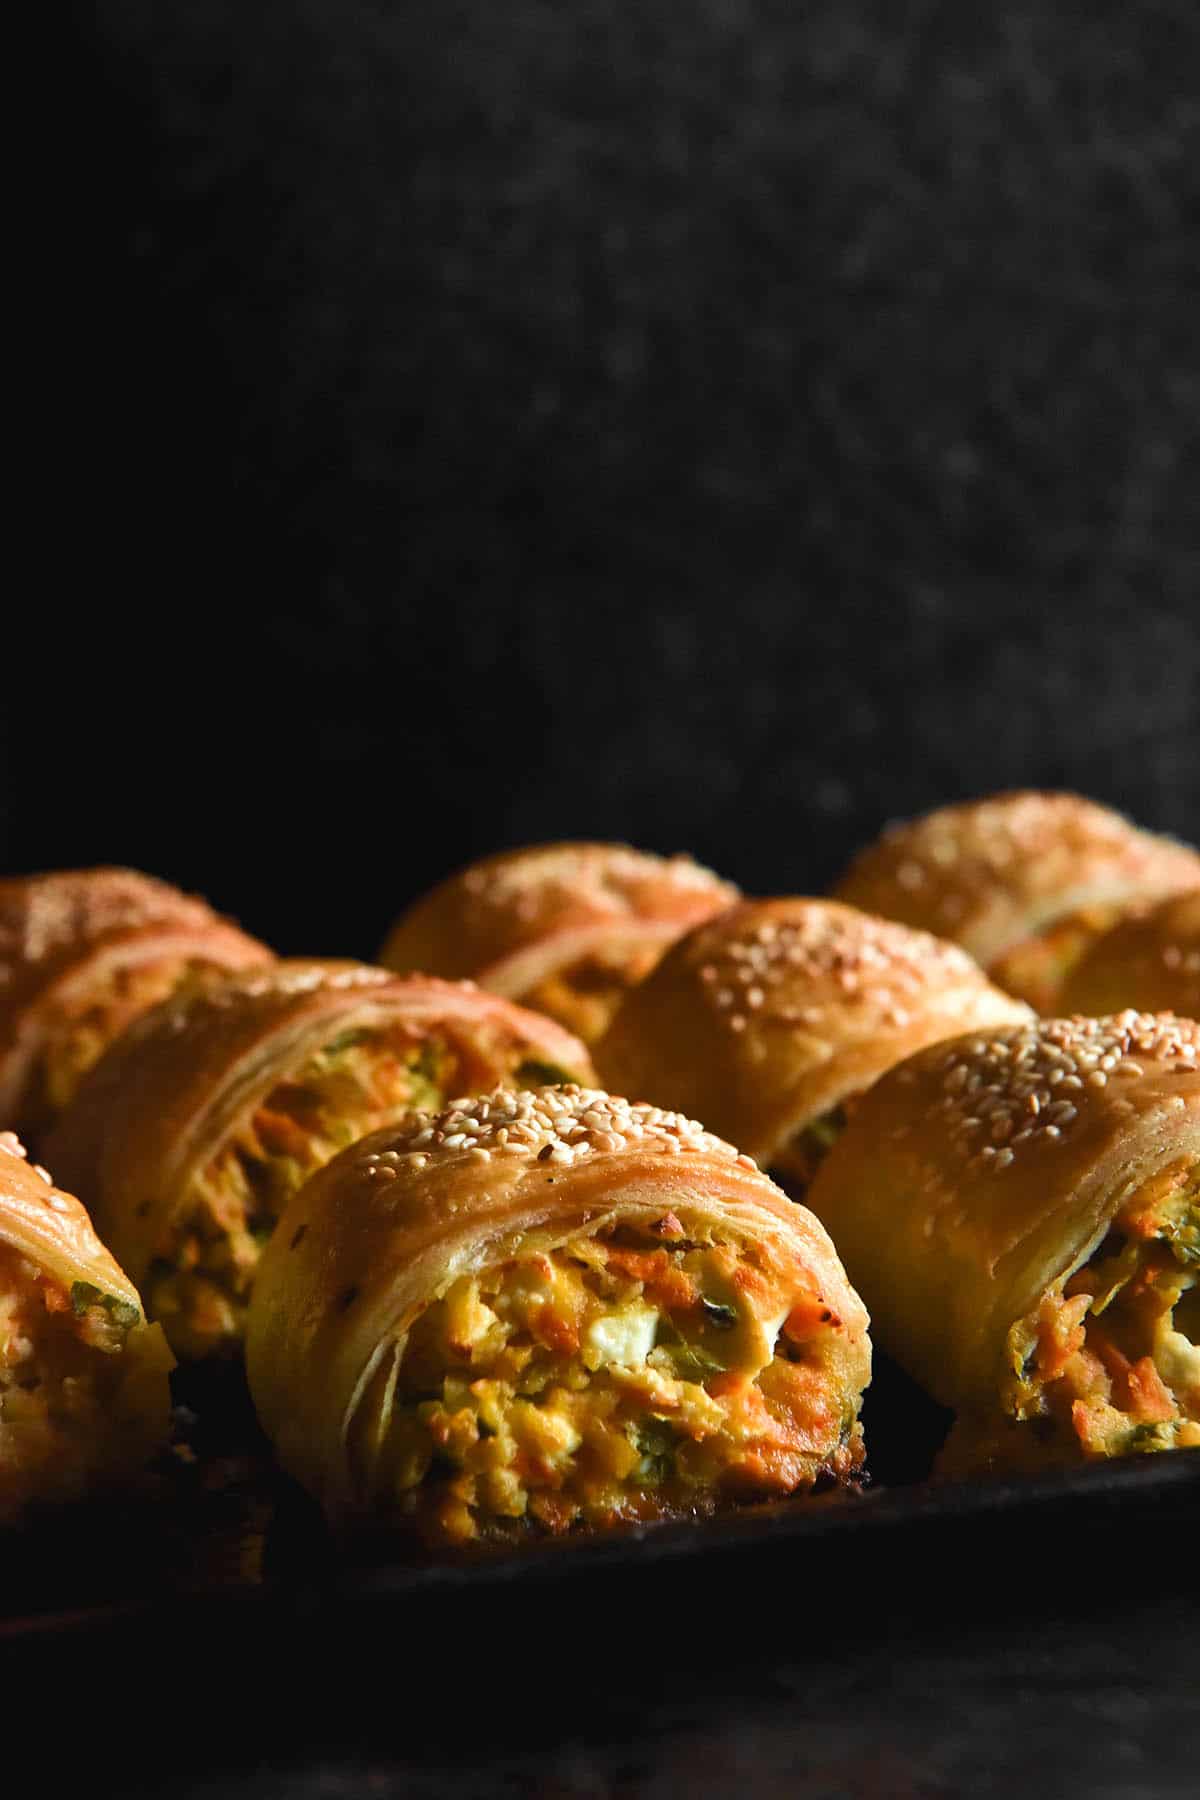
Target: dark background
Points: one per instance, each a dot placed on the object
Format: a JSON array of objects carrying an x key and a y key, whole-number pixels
[
  {"x": 719, "y": 423},
  {"x": 723, "y": 424}
]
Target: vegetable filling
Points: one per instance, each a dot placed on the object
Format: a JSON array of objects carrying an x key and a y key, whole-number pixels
[
  {"x": 797, "y": 1163},
  {"x": 1110, "y": 1362},
  {"x": 585, "y": 996},
  {"x": 200, "y": 1281},
  {"x": 1037, "y": 967},
  {"x": 615, "y": 1378},
  {"x": 78, "y": 1037},
  {"x": 60, "y": 1365}
]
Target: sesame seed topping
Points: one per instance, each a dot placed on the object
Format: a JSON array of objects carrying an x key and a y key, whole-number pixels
[
  {"x": 817, "y": 962},
  {"x": 1018, "y": 1082},
  {"x": 975, "y": 867},
  {"x": 557, "y": 1126}
]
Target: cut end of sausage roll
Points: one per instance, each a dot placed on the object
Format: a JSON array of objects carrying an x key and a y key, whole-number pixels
[
  {"x": 1150, "y": 961},
  {"x": 1108, "y": 1363},
  {"x": 1022, "y": 1213},
  {"x": 770, "y": 1021},
  {"x": 82, "y": 954},
  {"x": 565, "y": 928},
  {"x": 1025, "y": 881},
  {"x": 84, "y": 1394},
  {"x": 546, "y": 1311},
  {"x": 195, "y": 1131}
]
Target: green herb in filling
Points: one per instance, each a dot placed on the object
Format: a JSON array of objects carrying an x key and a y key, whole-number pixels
[
  {"x": 720, "y": 1316},
  {"x": 656, "y": 1443},
  {"x": 543, "y": 1074},
  {"x": 85, "y": 1296}
]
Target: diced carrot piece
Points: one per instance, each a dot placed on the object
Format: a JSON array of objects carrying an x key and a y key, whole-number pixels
[
  {"x": 558, "y": 1334},
  {"x": 1151, "y": 1399}
]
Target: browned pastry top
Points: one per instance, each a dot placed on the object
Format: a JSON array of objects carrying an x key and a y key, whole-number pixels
[{"x": 991, "y": 872}]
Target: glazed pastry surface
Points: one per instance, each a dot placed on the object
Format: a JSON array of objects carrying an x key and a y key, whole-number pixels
[
  {"x": 565, "y": 928},
  {"x": 543, "y": 1311},
  {"x": 1024, "y": 881},
  {"x": 1150, "y": 961},
  {"x": 769, "y": 1021},
  {"x": 82, "y": 953},
  {"x": 1021, "y": 1211}
]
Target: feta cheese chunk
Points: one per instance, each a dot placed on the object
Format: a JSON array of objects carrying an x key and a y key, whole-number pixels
[{"x": 625, "y": 1338}]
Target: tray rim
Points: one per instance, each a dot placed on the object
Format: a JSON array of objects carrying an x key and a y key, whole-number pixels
[{"x": 352, "y": 1576}]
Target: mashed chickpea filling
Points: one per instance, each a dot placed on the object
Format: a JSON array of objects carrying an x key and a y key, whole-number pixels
[
  {"x": 199, "y": 1283},
  {"x": 1110, "y": 1361},
  {"x": 200, "y": 1280},
  {"x": 60, "y": 1363},
  {"x": 616, "y": 1378},
  {"x": 585, "y": 996},
  {"x": 79, "y": 1036}
]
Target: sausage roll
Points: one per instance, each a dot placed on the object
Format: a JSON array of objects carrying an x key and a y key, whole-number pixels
[
  {"x": 565, "y": 928},
  {"x": 84, "y": 1391},
  {"x": 1021, "y": 1210},
  {"x": 1023, "y": 881},
  {"x": 1150, "y": 961},
  {"x": 538, "y": 1311},
  {"x": 193, "y": 1131},
  {"x": 770, "y": 1021},
  {"x": 82, "y": 953}
]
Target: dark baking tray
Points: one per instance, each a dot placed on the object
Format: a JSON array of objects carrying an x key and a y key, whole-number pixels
[{"x": 222, "y": 1546}]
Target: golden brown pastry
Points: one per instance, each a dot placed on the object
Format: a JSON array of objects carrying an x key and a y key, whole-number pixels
[
  {"x": 565, "y": 928},
  {"x": 84, "y": 1394},
  {"x": 769, "y": 1021},
  {"x": 1021, "y": 1212},
  {"x": 190, "y": 1135},
  {"x": 1023, "y": 881},
  {"x": 540, "y": 1311},
  {"x": 82, "y": 953},
  {"x": 1150, "y": 961}
]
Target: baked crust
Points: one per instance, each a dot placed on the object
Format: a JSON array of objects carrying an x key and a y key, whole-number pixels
[
  {"x": 981, "y": 1173},
  {"x": 991, "y": 873},
  {"x": 171, "y": 1091},
  {"x": 1150, "y": 961},
  {"x": 387, "y": 1226},
  {"x": 766, "y": 1018},
  {"x": 64, "y": 934},
  {"x": 515, "y": 919}
]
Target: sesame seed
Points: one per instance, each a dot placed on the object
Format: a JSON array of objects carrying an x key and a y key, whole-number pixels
[
  {"x": 1033, "y": 1082},
  {"x": 550, "y": 1125}
]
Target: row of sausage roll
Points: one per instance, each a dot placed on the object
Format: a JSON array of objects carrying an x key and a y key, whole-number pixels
[
  {"x": 528, "y": 1311},
  {"x": 1052, "y": 893},
  {"x": 573, "y": 1311},
  {"x": 772, "y": 1022}
]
